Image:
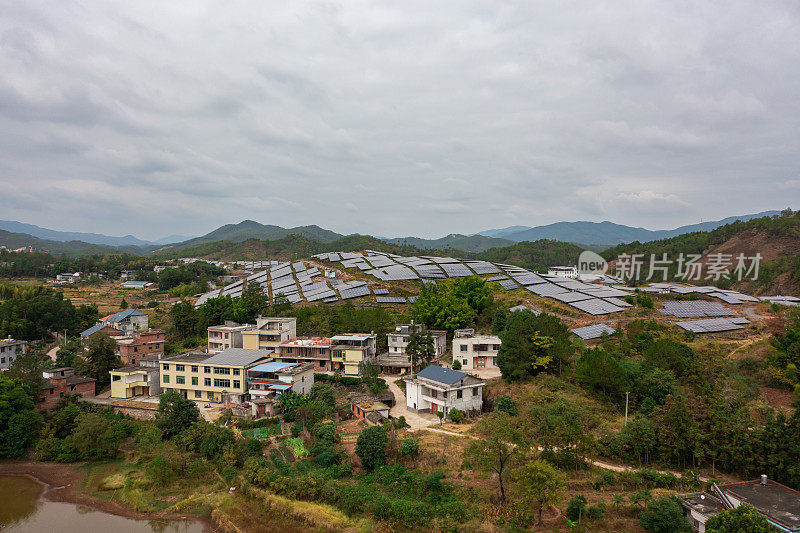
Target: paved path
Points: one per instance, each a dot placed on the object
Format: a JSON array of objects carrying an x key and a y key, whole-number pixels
[
  {"x": 52, "y": 353},
  {"x": 415, "y": 420}
]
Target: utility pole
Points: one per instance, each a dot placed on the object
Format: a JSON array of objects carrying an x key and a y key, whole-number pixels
[{"x": 626, "y": 408}]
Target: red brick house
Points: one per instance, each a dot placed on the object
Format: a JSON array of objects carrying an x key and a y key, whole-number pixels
[
  {"x": 138, "y": 344},
  {"x": 60, "y": 382}
]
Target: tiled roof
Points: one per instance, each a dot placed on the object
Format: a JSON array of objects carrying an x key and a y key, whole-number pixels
[{"x": 441, "y": 375}]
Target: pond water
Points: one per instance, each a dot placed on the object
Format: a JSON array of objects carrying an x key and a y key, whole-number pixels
[{"x": 23, "y": 509}]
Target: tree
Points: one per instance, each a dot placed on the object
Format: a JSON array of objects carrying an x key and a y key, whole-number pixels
[
  {"x": 438, "y": 307},
  {"x": 409, "y": 447},
  {"x": 324, "y": 393},
  {"x": 99, "y": 360},
  {"x": 530, "y": 344},
  {"x": 175, "y": 413},
  {"x": 123, "y": 304},
  {"x": 254, "y": 301},
  {"x": 371, "y": 447},
  {"x": 664, "y": 515},
  {"x": 97, "y": 435},
  {"x": 27, "y": 368},
  {"x": 743, "y": 518},
  {"x": 498, "y": 450},
  {"x": 456, "y": 364},
  {"x": 576, "y": 508},
  {"x": 420, "y": 348},
  {"x": 19, "y": 423},
  {"x": 540, "y": 483},
  {"x": 601, "y": 371}
]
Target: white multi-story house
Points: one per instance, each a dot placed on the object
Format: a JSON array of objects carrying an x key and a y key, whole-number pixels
[
  {"x": 437, "y": 389},
  {"x": 475, "y": 351},
  {"x": 10, "y": 349},
  {"x": 563, "y": 271},
  {"x": 398, "y": 339}
]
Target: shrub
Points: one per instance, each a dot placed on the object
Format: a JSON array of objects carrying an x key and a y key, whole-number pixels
[
  {"x": 506, "y": 404},
  {"x": 594, "y": 512},
  {"x": 663, "y": 515},
  {"x": 456, "y": 364},
  {"x": 159, "y": 470},
  {"x": 456, "y": 415},
  {"x": 576, "y": 507},
  {"x": 409, "y": 447}
]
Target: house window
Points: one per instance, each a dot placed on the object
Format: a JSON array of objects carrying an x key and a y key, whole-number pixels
[
  {"x": 458, "y": 393},
  {"x": 115, "y": 378},
  {"x": 495, "y": 347},
  {"x": 195, "y": 368},
  {"x": 226, "y": 335},
  {"x": 179, "y": 368},
  {"x": 165, "y": 366},
  {"x": 235, "y": 371},
  {"x": 463, "y": 347},
  {"x": 218, "y": 370},
  {"x": 463, "y": 362},
  {"x": 207, "y": 382},
  {"x": 180, "y": 380},
  {"x": 194, "y": 380},
  {"x": 210, "y": 395},
  {"x": 166, "y": 378},
  {"x": 197, "y": 394},
  {"x": 207, "y": 369},
  {"x": 236, "y": 384},
  {"x": 476, "y": 391},
  {"x": 222, "y": 383}
]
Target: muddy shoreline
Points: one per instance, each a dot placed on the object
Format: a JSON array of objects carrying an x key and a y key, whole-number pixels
[{"x": 63, "y": 483}]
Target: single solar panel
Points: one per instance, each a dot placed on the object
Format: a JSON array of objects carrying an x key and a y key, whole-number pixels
[{"x": 593, "y": 332}]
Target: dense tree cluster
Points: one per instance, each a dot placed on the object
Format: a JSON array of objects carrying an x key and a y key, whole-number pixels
[{"x": 34, "y": 312}]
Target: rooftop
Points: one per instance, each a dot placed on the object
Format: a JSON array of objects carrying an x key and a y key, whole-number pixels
[
  {"x": 190, "y": 357},
  {"x": 122, "y": 315},
  {"x": 702, "y": 502},
  {"x": 352, "y": 337},
  {"x": 446, "y": 376},
  {"x": 312, "y": 342},
  {"x": 238, "y": 357},
  {"x": 11, "y": 342},
  {"x": 778, "y": 502}
]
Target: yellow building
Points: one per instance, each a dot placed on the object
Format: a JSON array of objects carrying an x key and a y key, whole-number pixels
[
  {"x": 269, "y": 333},
  {"x": 136, "y": 380},
  {"x": 348, "y": 351},
  {"x": 211, "y": 377}
]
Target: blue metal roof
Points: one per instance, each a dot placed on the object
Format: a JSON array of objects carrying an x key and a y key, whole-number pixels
[
  {"x": 280, "y": 387},
  {"x": 122, "y": 315},
  {"x": 92, "y": 330},
  {"x": 272, "y": 366},
  {"x": 442, "y": 375}
]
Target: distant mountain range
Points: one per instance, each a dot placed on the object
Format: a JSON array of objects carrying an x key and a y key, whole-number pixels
[
  {"x": 90, "y": 238},
  {"x": 589, "y": 234},
  {"x": 606, "y": 233}
]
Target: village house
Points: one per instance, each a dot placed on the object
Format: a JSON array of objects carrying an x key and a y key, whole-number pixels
[
  {"x": 137, "y": 380},
  {"x": 100, "y": 328},
  {"x": 368, "y": 409},
  {"x": 350, "y": 350},
  {"x": 68, "y": 278},
  {"x": 127, "y": 320},
  {"x": 313, "y": 350},
  {"x": 227, "y": 335},
  {"x": 10, "y": 349},
  {"x": 437, "y": 389},
  {"x": 219, "y": 377},
  {"x": 266, "y": 381},
  {"x": 136, "y": 345},
  {"x": 396, "y": 360},
  {"x": 475, "y": 351},
  {"x": 779, "y": 504},
  {"x": 126, "y": 275},
  {"x": 61, "y": 382},
  {"x": 269, "y": 333}
]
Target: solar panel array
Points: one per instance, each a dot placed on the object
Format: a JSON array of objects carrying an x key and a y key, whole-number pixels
[
  {"x": 390, "y": 299},
  {"x": 596, "y": 306},
  {"x": 593, "y": 332},
  {"x": 483, "y": 267},
  {"x": 494, "y": 278},
  {"x": 380, "y": 291},
  {"x": 713, "y": 325},
  {"x": 782, "y": 300},
  {"x": 508, "y": 284},
  {"x": 456, "y": 270},
  {"x": 695, "y": 308},
  {"x": 429, "y": 271},
  {"x": 355, "y": 292}
]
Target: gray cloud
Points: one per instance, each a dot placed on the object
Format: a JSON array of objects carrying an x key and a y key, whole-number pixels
[{"x": 395, "y": 118}]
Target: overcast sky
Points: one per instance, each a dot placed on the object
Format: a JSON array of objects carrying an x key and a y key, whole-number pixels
[{"x": 395, "y": 118}]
